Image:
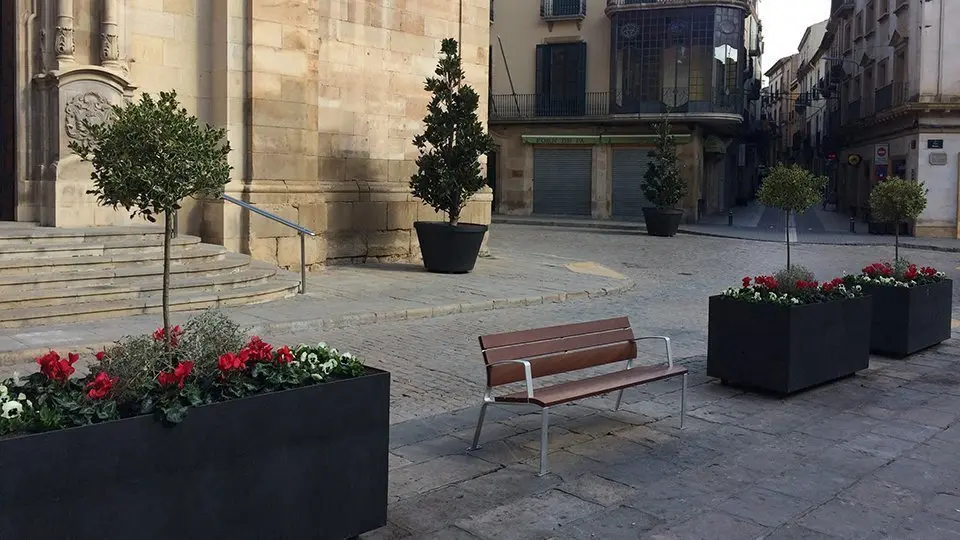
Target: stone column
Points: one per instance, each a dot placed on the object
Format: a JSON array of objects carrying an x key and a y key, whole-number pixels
[
  {"x": 63, "y": 40},
  {"x": 109, "y": 35}
]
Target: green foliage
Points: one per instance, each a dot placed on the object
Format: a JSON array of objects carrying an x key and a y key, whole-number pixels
[
  {"x": 152, "y": 155},
  {"x": 207, "y": 337},
  {"x": 791, "y": 188},
  {"x": 662, "y": 184},
  {"x": 453, "y": 139},
  {"x": 896, "y": 200}
]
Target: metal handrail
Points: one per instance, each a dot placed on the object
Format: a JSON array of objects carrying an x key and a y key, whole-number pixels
[{"x": 302, "y": 231}]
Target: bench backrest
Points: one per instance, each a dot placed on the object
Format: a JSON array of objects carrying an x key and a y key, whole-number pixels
[{"x": 557, "y": 349}]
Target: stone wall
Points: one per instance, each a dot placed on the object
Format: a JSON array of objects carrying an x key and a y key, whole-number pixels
[{"x": 321, "y": 100}]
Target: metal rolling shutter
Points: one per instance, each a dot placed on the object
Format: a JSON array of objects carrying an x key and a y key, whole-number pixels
[
  {"x": 629, "y": 166},
  {"x": 562, "y": 181}
]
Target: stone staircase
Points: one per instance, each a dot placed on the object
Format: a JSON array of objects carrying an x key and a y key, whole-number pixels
[{"x": 56, "y": 276}]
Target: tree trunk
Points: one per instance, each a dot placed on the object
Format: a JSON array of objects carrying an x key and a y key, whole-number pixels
[
  {"x": 896, "y": 244},
  {"x": 786, "y": 227},
  {"x": 165, "y": 299}
]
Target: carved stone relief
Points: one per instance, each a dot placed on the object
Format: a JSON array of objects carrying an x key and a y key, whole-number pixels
[
  {"x": 87, "y": 108},
  {"x": 64, "y": 44}
]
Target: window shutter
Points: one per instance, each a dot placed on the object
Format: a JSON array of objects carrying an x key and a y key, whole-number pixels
[
  {"x": 543, "y": 69},
  {"x": 582, "y": 78}
]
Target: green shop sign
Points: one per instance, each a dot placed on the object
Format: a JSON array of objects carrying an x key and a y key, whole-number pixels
[{"x": 598, "y": 139}]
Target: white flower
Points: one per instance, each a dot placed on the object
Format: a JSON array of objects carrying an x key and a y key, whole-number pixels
[
  {"x": 794, "y": 300},
  {"x": 857, "y": 288},
  {"x": 756, "y": 296},
  {"x": 346, "y": 356},
  {"x": 334, "y": 352},
  {"x": 322, "y": 345},
  {"x": 312, "y": 358},
  {"x": 3, "y": 393},
  {"x": 316, "y": 376},
  {"x": 11, "y": 409},
  {"x": 22, "y": 397},
  {"x": 29, "y": 404},
  {"x": 329, "y": 366},
  {"x": 773, "y": 296}
]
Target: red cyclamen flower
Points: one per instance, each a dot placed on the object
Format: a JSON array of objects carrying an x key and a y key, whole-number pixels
[
  {"x": 746, "y": 282},
  {"x": 258, "y": 350},
  {"x": 233, "y": 362},
  {"x": 100, "y": 386},
  {"x": 56, "y": 368},
  {"x": 160, "y": 334},
  {"x": 928, "y": 271},
  {"x": 177, "y": 376},
  {"x": 284, "y": 355}
]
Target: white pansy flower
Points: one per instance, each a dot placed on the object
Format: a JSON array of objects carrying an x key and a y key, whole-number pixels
[
  {"x": 794, "y": 300},
  {"x": 303, "y": 356},
  {"x": 3, "y": 393},
  {"x": 316, "y": 376},
  {"x": 756, "y": 296},
  {"x": 346, "y": 356},
  {"x": 312, "y": 358},
  {"x": 22, "y": 397},
  {"x": 322, "y": 345},
  {"x": 11, "y": 409}
]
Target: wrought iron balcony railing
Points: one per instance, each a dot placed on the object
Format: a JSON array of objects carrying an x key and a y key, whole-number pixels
[
  {"x": 508, "y": 107},
  {"x": 558, "y": 10},
  {"x": 883, "y": 98}
]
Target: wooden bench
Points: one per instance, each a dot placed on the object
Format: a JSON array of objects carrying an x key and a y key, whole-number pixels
[{"x": 528, "y": 354}]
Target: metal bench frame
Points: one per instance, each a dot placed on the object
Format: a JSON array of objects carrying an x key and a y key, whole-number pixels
[{"x": 490, "y": 399}]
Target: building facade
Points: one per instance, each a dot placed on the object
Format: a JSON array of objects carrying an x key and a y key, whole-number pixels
[
  {"x": 577, "y": 84},
  {"x": 780, "y": 108},
  {"x": 320, "y": 100},
  {"x": 810, "y": 104},
  {"x": 899, "y": 89}
]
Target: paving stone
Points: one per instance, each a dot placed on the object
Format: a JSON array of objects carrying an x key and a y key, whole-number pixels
[
  {"x": 924, "y": 526},
  {"x": 929, "y": 416},
  {"x": 540, "y": 515},
  {"x": 763, "y": 506},
  {"x": 808, "y": 481},
  {"x": 848, "y": 461},
  {"x": 395, "y": 461},
  {"x": 711, "y": 526},
  {"x": 439, "y": 509},
  {"x": 449, "y": 533},
  {"x": 766, "y": 460},
  {"x": 420, "y": 478},
  {"x": 796, "y": 532},
  {"x": 594, "y": 425},
  {"x": 611, "y": 450},
  {"x": 883, "y": 496},
  {"x": 593, "y": 488},
  {"x": 840, "y": 427},
  {"x": 492, "y": 431},
  {"x": 879, "y": 445},
  {"x": 847, "y": 520},
  {"x": 646, "y": 436},
  {"x": 389, "y": 532},
  {"x": 944, "y": 504},
  {"x": 620, "y": 523},
  {"x": 906, "y": 430},
  {"x": 431, "y": 449},
  {"x": 916, "y": 475},
  {"x": 640, "y": 471}
]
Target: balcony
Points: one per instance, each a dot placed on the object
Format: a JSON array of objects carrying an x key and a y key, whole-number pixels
[
  {"x": 601, "y": 105},
  {"x": 614, "y": 6},
  {"x": 842, "y": 8},
  {"x": 853, "y": 111},
  {"x": 883, "y": 98},
  {"x": 563, "y": 10}
]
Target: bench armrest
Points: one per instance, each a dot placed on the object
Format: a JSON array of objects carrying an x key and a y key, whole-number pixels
[
  {"x": 666, "y": 342},
  {"x": 527, "y": 372}
]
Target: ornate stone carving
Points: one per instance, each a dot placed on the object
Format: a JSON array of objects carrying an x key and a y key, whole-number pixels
[
  {"x": 109, "y": 48},
  {"x": 64, "y": 44},
  {"x": 89, "y": 107}
]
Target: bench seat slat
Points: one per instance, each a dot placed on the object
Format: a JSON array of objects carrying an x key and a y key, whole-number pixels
[
  {"x": 557, "y": 394},
  {"x": 522, "y": 337}
]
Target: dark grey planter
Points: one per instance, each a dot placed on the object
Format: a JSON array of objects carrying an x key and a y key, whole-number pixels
[
  {"x": 662, "y": 221},
  {"x": 449, "y": 249},
  {"x": 785, "y": 349},
  {"x": 304, "y": 463},
  {"x": 910, "y": 319}
]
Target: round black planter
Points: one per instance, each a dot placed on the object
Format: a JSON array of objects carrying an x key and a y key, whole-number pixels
[
  {"x": 449, "y": 249},
  {"x": 662, "y": 222}
]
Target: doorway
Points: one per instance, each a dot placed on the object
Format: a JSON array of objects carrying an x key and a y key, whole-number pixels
[
  {"x": 492, "y": 166},
  {"x": 8, "y": 110}
]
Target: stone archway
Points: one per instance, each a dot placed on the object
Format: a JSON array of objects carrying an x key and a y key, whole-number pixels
[{"x": 8, "y": 110}]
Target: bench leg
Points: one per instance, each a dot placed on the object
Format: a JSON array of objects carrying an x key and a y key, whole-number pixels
[
  {"x": 476, "y": 434},
  {"x": 619, "y": 400},
  {"x": 683, "y": 399},
  {"x": 544, "y": 439}
]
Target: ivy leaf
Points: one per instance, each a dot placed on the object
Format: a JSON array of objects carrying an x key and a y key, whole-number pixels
[{"x": 175, "y": 413}]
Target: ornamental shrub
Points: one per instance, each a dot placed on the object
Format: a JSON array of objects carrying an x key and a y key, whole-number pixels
[
  {"x": 150, "y": 156},
  {"x": 662, "y": 183},
  {"x": 896, "y": 201},
  {"x": 789, "y": 277},
  {"x": 453, "y": 139},
  {"x": 792, "y": 189}
]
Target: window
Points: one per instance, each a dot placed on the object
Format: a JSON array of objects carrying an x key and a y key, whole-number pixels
[
  {"x": 870, "y": 17},
  {"x": 884, "y": 9},
  {"x": 858, "y": 33},
  {"x": 882, "y": 74},
  {"x": 855, "y": 91},
  {"x": 561, "y": 79}
]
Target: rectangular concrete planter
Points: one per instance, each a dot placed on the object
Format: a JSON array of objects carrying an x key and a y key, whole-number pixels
[
  {"x": 304, "y": 463},
  {"x": 909, "y": 319},
  {"x": 785, "y": 349}
]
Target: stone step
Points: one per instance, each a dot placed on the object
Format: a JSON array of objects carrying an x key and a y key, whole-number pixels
[
  {"x": 22, "y": 233},
  {"x": 121, "y": 276},
  {"x": 196, "y": 254},
  {"x": 280, "y": 286},
  {"x": 72, "y": 297},
  {"x": 21, "y": 250}
]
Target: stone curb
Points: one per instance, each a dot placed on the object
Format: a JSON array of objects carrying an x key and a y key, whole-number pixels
[
  {"x": 27, "y": 356},
  {"x": 639, "y": 228}
]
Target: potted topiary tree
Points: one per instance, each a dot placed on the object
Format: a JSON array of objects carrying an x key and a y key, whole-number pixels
[
  {"x": 449, "y": 166},
  {"x": 662, "y": 185},
  {"x": 912, "y": 307},
  {"x": 148, "y": 158},
  {"x": 792, "y": 189},
  {"x": 788, "y": 332}
]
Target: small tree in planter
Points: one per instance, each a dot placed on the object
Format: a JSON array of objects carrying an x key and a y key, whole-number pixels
[
  {"x": 449, "y": 166},
  {"x": 897, "y": 201},
  {"x": 151, "y": 156},
  {"x": 792, "y": 189},
  {"x": 663, "y": 185}
]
